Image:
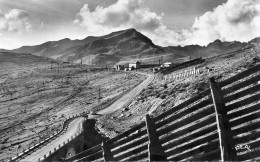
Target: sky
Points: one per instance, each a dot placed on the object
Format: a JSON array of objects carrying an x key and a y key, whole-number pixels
[{"x": 165, "y": 22}]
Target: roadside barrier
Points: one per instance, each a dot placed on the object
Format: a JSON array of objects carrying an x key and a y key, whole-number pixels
[
  {"x": 48, "y": 139},
  {"x": 219, "y": 124}
]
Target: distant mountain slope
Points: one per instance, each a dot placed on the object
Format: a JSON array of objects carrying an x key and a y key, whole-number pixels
[
  {"x": 22, "y": 58},
  {"x": 53, "y": 47},
  {"x": 124, "y": 45},
  {"x": 212, "y": 49},
  {"x": 256, "y": 40},
  {"x": 19, "y": 64},
  {"x": 107, "y": 49}
]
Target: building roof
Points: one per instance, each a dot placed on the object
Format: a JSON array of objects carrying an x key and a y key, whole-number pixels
[{"x": 135, "y": 62}]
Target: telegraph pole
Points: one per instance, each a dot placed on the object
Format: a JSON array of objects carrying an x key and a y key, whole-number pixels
[
  {"x": 99, "y": 94},
  {"x": 81, "y": 61},
  {"x": 161, "y": 60},
  {"x": 58, "y": 67}
]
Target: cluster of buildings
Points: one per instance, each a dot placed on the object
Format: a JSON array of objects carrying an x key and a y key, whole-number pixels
[
  {"x": 137, "y": 65},
  {"x": 131, "y": 66}
]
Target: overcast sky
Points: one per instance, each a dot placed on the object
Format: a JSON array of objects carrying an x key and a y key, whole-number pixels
[{"x": 166, "y": 22}]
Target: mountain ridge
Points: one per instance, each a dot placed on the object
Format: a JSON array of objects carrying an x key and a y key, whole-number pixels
[
  {"x": 121, "y": 45},
  {"x": 107, "y": 49}
]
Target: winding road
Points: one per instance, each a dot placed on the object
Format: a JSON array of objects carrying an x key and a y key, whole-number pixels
[
  {"x": 127, "y": 97},
  {"x": 74, "y": 127},
  {"x": 76, "y": 124}
]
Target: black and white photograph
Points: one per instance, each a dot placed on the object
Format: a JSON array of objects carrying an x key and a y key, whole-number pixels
[{"x": 129, "y": 80}]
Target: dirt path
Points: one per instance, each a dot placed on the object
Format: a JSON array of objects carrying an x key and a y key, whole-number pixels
[
  {"x": 73, "y": 128},
  {"x": 75, "y": 124}
]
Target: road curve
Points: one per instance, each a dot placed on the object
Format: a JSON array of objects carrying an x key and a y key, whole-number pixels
[
  {"x": 118, "y": 104},
  {"x": 73, "y": 128}
]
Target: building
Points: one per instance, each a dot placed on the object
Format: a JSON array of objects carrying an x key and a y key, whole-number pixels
[
  {"x": 120, "y": 67},
  {"x": 135, "y": 65},
  {"x": 166, "y": 64},
  {"x": 126, "y": 68}
]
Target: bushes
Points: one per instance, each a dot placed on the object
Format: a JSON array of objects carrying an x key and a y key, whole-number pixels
[
  {"x": 163, "y": 96},
  {"x": 150, "y": 91}
]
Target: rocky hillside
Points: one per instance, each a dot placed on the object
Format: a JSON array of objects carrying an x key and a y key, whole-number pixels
[
  {"x": 212, "y": 49},
  {"x": 124, "y": 45},
  {"x": 22, "y": 58},
  {"x": 255, "y": 41},
  {"x": 53, "y": 48},
  {"x": 14, "y": 65}
]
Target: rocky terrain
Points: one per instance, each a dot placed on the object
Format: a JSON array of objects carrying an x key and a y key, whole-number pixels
[
  {"x": 35, "y": 98},
  {"x": 163, "y": 95}
]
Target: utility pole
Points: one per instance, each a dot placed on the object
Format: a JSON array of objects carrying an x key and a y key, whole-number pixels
[
  {"x": 68, "y": 61},
  {"x": 99, "y": 94},
  {"x": 81, "y": 61},
  {"x": 161, "y": 60},
  {"x": 51, "y": 65},
  {"x": 58, "y": 67}
]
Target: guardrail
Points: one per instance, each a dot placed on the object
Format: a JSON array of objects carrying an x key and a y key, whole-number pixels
[
  {"x": 61, "y": 145},
  {"x": 220, "y": 123},
  {"x": 43, "y": 142}
]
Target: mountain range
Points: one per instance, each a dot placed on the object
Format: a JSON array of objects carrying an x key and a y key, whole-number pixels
[{"x": 121, "y": 46}]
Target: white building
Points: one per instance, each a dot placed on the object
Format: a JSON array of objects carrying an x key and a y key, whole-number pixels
[
  {"x": 166, "y": 64},
  {"x": 135, "y": 65}
]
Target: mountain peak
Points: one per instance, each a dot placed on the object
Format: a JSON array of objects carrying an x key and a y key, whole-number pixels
[
  {"x": 64, "y": 40},
  {"x": 217, "y": 41},
  {"x": 131, "y": 30},
  {"x": 216, "y": 44}
]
